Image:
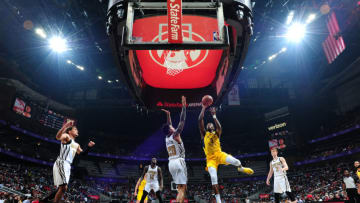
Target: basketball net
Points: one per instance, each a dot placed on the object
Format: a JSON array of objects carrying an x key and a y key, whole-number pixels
[{"x": 173, "y": 68}]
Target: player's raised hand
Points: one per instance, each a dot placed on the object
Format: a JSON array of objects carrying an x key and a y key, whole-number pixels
[
  {"x": 91, "y": 144},
  {"x": 213, "y": 111},
  {"x": 183, "y": 100}
]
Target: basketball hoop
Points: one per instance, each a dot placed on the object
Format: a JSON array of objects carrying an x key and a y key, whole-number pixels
[{"x": 173, "y": 67}]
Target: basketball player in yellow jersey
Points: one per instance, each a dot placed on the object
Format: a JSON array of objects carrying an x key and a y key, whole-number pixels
[
  {"x": 214, "y": 155},
  {"x": 141, "y": 186}
]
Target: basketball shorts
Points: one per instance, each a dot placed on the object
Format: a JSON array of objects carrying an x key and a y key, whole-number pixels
[
  {"x": 281, "y": 184},
  {"x": 178, "y": 170},
  {"x": 61, "y": 172},
  {"x": 152, "y": 186},
  {"x": 216, "y": 159}
]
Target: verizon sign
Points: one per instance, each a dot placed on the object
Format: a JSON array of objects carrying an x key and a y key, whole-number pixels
[{"x": 174, "y": 21}]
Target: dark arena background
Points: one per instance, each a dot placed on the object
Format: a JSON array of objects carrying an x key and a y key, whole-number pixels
[{"x": 283, "y": 74}]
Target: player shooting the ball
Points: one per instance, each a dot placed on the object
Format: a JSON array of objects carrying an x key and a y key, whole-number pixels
[{"x": 212, "y": 148}]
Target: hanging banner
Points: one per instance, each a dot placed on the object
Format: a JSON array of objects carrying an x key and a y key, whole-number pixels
[{"x": 233, "y": 96}]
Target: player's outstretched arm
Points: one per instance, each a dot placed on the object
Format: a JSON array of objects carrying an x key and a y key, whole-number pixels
[
  {"x": 168, "y": 116},
  {"x": 86, "y": 149},
  {"x": 62, "y": 130},
  {"x": 160, "y": 179},
  {"x": 285, "y": 166},
  {"x": 217, "y": 123},
  {"x": 181, "y": 125},
  {"x": 201, "y": 122},
  {"x": 269, "y": 175}
]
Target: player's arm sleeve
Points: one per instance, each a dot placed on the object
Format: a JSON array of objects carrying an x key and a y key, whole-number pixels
[{"x": 181, "y": 125}]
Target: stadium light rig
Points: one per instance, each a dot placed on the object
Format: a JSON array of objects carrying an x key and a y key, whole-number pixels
[
  {"x": 58, "y": 44},
  {"x": 100, "y": 77}
]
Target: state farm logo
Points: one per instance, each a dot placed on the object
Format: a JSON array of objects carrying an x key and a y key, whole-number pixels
[{"x": 177, "y": 60}]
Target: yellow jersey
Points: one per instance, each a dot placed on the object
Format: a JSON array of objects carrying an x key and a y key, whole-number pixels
[
  {"x": 142, "y": 185},
  {"x": 211, "y": 143}
]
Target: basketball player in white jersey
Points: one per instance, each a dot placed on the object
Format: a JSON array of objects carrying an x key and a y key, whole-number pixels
[
  {"x": 62, "y": 165},
  {"x": 278, "y": 167},
  {"x": 154, "y": 180},
  {"x": 176, "y": 151}
]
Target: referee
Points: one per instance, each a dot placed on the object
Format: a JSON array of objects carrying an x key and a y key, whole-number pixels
[{"x": 349, "y": 187}]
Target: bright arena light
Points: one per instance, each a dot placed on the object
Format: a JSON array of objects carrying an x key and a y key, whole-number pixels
[
  {"x": 100, "y": 77},
  {"x": 58, "y": 44},
  {"x": 68, "y": 61},
  {"x": 283, "y": 49},
  {"x": 296, "y": 32},
  {"x": 40, "y": 32},
  {"x": 79, "y": 67},
  {"x": 310, "y": 18},
  {"x": 290, "y": 17}
]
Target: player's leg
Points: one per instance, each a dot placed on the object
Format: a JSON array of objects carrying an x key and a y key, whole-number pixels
[
  {"x": 291, "y": 196},
  {"x": 277, "y": 197},
  {"x": 60, "y": 193},
  {"x": 60, "y": 179},
  {"x": 158, "y": 195},
  {"x": 181, "y": 180},
  {"x": 181, "y": 193},
  {"x": 144, "y": 195},
  {"x": 235, "y": 162},
  {"x": 214, "y": 182}
]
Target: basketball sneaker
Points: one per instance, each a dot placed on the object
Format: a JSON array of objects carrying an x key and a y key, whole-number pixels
[{"x": 245, "y": 170}]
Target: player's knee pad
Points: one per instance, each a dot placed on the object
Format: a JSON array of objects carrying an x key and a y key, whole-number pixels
[
  {"x": 213, "y": 175},
  {"x": 231, "y": 160}
]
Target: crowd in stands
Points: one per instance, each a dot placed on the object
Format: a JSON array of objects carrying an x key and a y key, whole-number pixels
[{"x": 318, "y": 183}]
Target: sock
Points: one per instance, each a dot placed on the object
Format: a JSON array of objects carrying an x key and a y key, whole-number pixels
[{"x": 218, "y": 199}]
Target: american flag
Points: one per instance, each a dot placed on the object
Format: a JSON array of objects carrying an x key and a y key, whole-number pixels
[{"x": 334, "y": 44}]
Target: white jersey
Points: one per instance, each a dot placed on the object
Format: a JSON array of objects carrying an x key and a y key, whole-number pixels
[
  {"x": 68, "y": 151},
  {"x": 175, "y": 149},
  {"x": 277, "y": 168},
  {"x": 152, "y": 175}
]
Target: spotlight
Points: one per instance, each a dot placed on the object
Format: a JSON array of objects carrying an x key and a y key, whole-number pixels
[
  {"x": 109, "y": 81},
  {"x": 68, "y": 61},
  {"x": 40, "y": 32},
  {"x": 283, "y": 49},
  {"x": 272, "y": 57},
  {"x": 290, "y": 17},
  {"x": 310, "y": 18},
  {"x": 79, "y": 67},
  {"x": 100, "y": 77},
  {"x": 117, "y": 80},
  {"x": 296, "y": 32},
  {"x": 58, "y": 44}
]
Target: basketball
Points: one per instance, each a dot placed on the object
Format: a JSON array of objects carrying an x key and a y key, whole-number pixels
[{"x": 207, "y": 100}]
